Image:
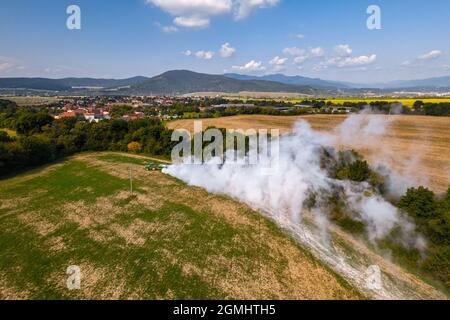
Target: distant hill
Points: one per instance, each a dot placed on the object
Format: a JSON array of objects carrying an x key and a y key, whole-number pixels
[
  {"x": 439, "y": 82},
  {"x": 66, "y": 84},
  {"x": 183, "y": 81},
  {"x": 419, "y": 85},
  {"x": 103, "y": 83},
  {"x": 293, "y": 80},
  {"x": 33, "y": 83}
]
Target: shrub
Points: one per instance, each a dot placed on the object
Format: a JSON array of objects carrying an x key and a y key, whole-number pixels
[
  {"x": 419, "y": 203},
  {"x": 357, "y": 171},
  {"x": 134, "y": 147}
]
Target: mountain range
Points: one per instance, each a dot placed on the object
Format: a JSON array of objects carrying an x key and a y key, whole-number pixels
[
  {"x": 169, "y": 83},
  {"x": 179, "y": 82},
  {"x": 430, "y": 83},
  {"x": 293, "y": 80},
  {"x": 439, "y": 82},
  {"x": 183, "y": 81}
]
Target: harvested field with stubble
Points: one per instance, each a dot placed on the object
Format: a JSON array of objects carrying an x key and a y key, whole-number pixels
[
  {"x": 165, "y": 241},
  {"x": 30, "y": 100},
  {"x": 416, "y": 146}
]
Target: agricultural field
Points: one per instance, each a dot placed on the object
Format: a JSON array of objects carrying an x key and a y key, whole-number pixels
[
  {"x": 31, "y": 100},
  {"x": 406, "y": 102},
  {"x": 244, "y": 95},
  {"x": 165, "y": 240},
  {"x": 298, "y": 98},
  {"x": 412, "y": 145}
]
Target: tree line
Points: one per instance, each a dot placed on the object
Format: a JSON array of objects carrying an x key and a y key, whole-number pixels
[{"x": 432, "y": 109}]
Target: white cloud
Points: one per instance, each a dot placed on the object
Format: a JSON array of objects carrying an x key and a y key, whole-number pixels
[
  {"x": 300, "y": 55},
  {"x": 227, "y": 51},
  {"x": 359, "y": 61},
  {"x": 4, "y": 66},
  {"x": 317, "y": 52},
  {"x": 422, "y": 59},
  {"x": 198, "y": 13},
  {"x": 434, "y": 54},
  {"x": 343, "y": 50},
  {"x": 319, "y": 67},
  {"x": 250, "y": 67},
  {"x": 166, "y": 29},
  {"x": 277, "y": 61},
  {"x": 193, "y": 13},
  {"x": 342, "y": 62},
  {"x": 205, "y": 55},
  {"x": 245, "y": 7},
  {"x": 9, "y": 64},
  {"x": 170, "y": 29},
  {"x": 300, "y": 59},
  {"x": 294, "y": 51},
  {"x": 299, "y": 36},
  {"x": 192, "y": 22}
]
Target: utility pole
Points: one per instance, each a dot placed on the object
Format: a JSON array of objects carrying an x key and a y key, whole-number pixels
[{"x": 131, "y": 180}]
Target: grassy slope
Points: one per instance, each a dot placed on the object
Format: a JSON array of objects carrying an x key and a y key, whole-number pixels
[{"x": 167, "y": 240}]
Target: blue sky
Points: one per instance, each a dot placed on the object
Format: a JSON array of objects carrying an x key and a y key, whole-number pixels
[{"x": 316, "y": 38}]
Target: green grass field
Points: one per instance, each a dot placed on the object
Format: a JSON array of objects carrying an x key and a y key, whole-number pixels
[{"x": 164, "y": 241}]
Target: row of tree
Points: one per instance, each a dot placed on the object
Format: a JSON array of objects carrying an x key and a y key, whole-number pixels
[
  {"x": 432, "y": 109},
  {"x": 277, "y": 108}
]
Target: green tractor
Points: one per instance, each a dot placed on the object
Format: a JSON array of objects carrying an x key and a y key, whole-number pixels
[{"x": 152, "y": 166}]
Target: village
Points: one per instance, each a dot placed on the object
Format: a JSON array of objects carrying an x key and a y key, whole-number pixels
[{"x": 96, "y": 109}]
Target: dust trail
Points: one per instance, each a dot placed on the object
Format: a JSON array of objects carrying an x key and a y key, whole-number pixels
[
  {"x": 370, "y": 133},
  {"x": 285, "y": 195}
]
